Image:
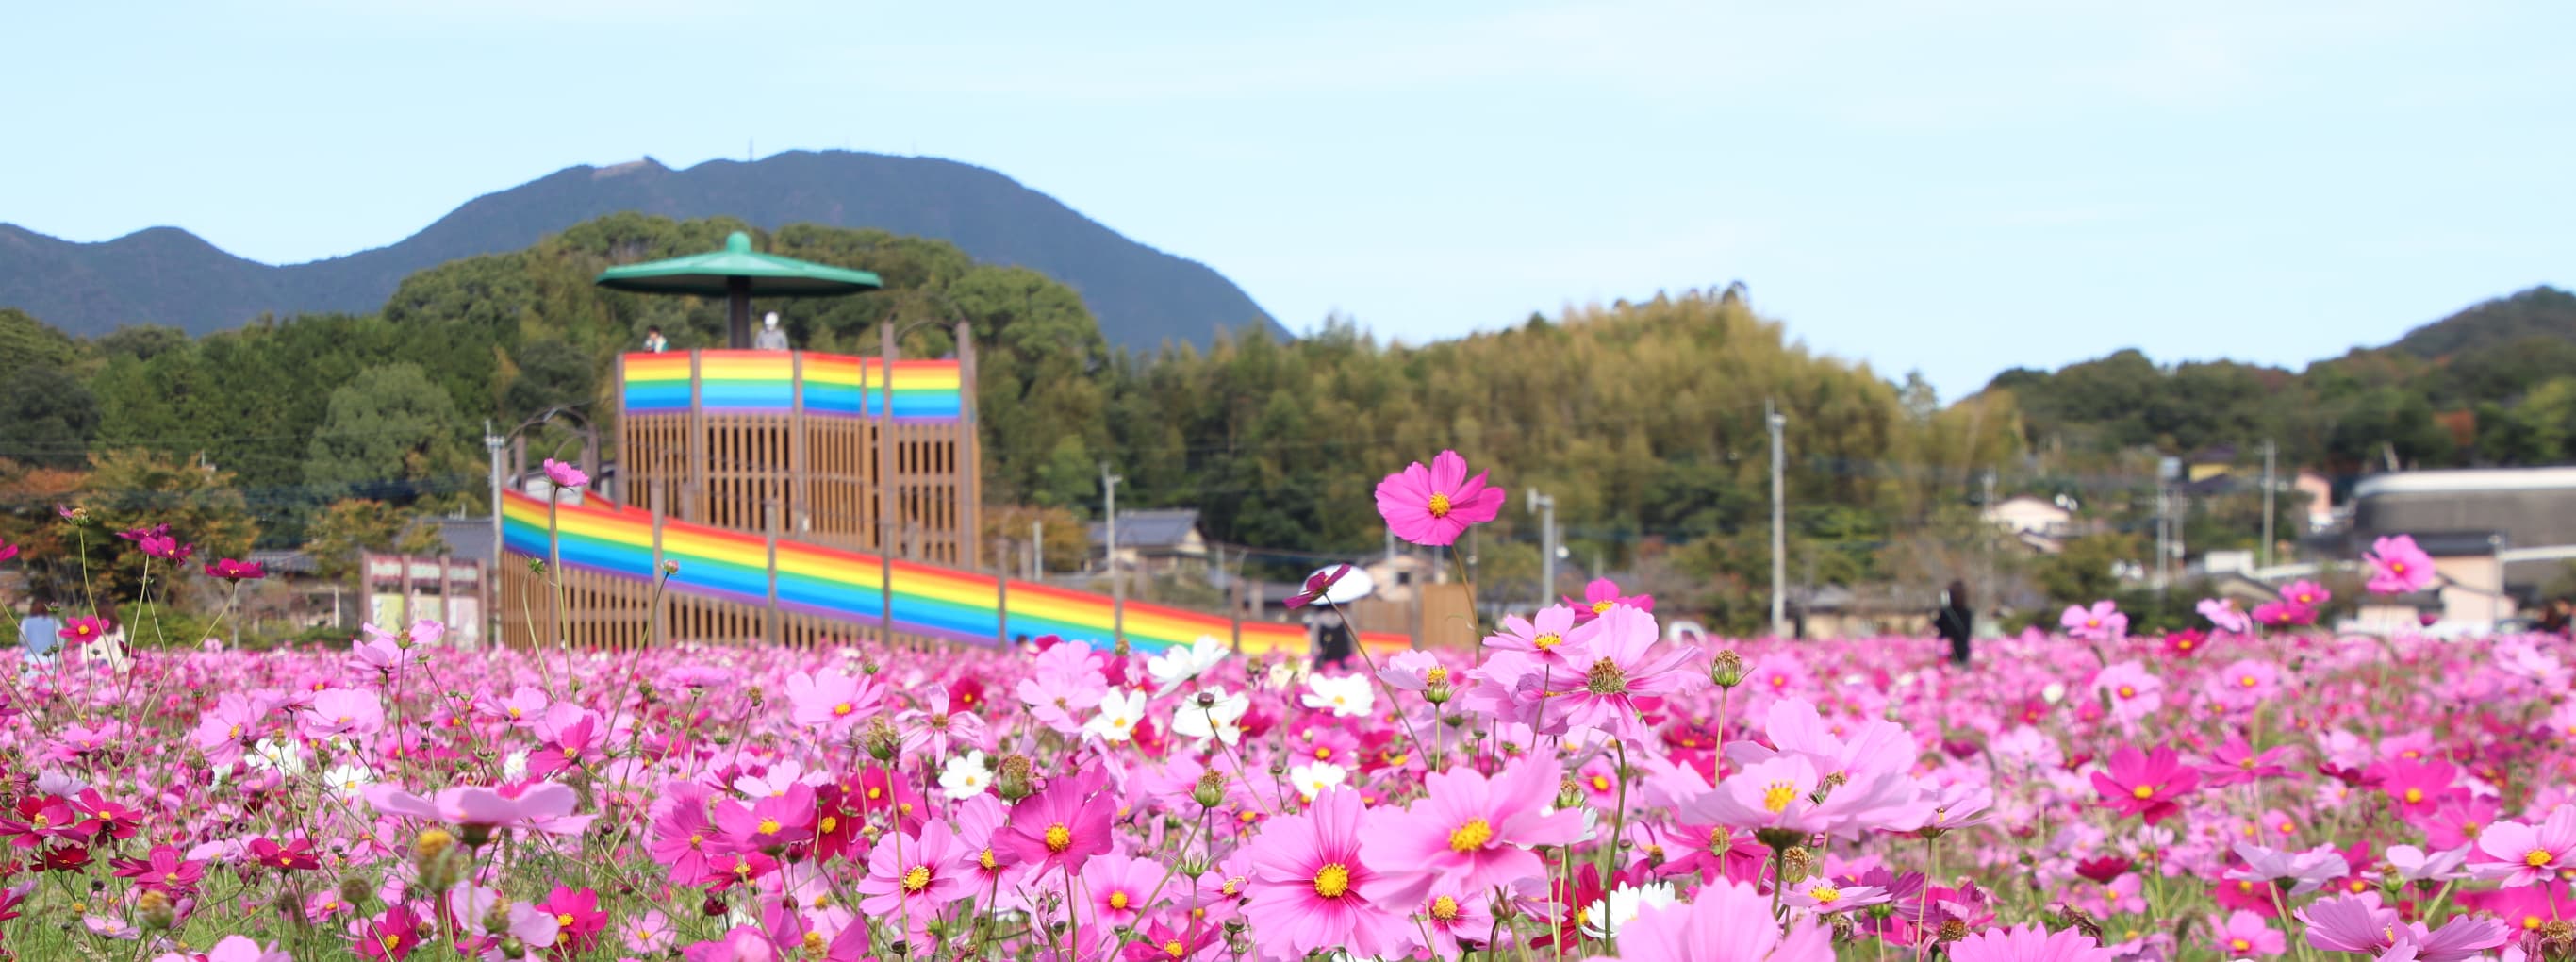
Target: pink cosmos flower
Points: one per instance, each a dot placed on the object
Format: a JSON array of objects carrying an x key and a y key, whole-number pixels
[
  {"x": 2135, "y": 694},
  {"x": 1547, "y": 637},
  {"x": 545, "y": 806},
  {"x": 1728, "y": 921},
  {"x": 2222, "y": 614},
  {"x": 565, "y": 475},
  {"x": 916, "y": 874},
  {"x": 232, "y": 948},
  {"x": 1119, "y": 888},
  {"x": 2029, "y": 943},
  {"x": 2145, "y": 784},
  {"x": 166, "y": 548},
  {"x": 770, "y": 822},
  {"x": 1307, "y": 883},
  {"x": 1064, "y": 684},
  {"x": 1774, "y": 794},
  {"x": 2244, "y": 934},
  {"x": 2102, "y": 622},
  {"x": 2306, "y": 594},
  {"x": 2520, "y": 854},
  {"x": 1629, "y": 661},
  {"x": 2305, "y": 871},
  {"x": 2236, "y": 763},
  {"x": 2417, "y": 788},
  {"x": 578, "y": 920},
  {"x": 830, "y": 701},
  {"x": 2398, "y": 567},
  {"x": 1434, "y": 505},
  {"x": 344, "y": 711},
  {"x": 2358, "y": 923},
  {"x": 1601, "y": 594},
  {"x": 2245, "y": 684},
  {"x": 1470, "y": 832},
  {"x": 85, "y": 630}
]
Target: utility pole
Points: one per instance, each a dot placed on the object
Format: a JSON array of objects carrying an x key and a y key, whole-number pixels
[
  {"x": 492, "y": 571},
  {"x": 1545, "y": 507},
  {"x": 1117, "y": 582},
  {"x": 1037, "y": 549},
  {"x": 1779, "y": 525},
  {"x": 2271, "y": 453}
]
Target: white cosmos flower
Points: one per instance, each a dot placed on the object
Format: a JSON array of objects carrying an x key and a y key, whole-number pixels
[
  {"x": 1603, "y": 921},
  {"x": 1346, "y": 696},
  {"x": 965, "y": 776},
  {"x": 1313, "y": 780},
  {"x": 345, "y": 780},
  {"x": 1119, "y": 712},
  {"x": 286, "y": 758},
  {"x": 1178, "y": 665},
  {"x": 514, "y": 766},
  {"x": 1221, "y": 720}
]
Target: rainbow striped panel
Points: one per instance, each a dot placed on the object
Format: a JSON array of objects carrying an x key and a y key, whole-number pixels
[
  {"x": 656, "y": 383},
  {"x": 833, "y": 385},
  {"x": 747, "y": 382},
  {"x": 842, "y": 585},
  {"x": 923, "y": 390}
]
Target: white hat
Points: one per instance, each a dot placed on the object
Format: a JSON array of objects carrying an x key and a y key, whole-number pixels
[{"x": 771, "y": 320}]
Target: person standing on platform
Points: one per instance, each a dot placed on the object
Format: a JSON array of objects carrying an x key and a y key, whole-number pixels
[
  {"x": 770, "y": 337},
  {"x": 41, "y": 633},
  {"x": 655, "y": 342}
]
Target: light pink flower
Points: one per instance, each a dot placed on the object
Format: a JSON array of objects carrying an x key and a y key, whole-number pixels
[{"x": 1434, "y": 505}]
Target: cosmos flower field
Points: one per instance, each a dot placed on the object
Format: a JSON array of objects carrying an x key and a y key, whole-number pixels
[{"x": 1576, "y": 787}]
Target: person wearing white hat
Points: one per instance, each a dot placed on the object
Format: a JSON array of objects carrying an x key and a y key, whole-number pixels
[{"x": 770, "y": 337}]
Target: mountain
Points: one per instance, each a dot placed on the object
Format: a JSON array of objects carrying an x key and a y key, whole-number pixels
[
  {"x": 2538, "y": 312},
  {"x": 1142, "y": 296}
]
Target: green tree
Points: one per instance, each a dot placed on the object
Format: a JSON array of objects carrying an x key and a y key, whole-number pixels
[
  {"x": 392, "y": 434},
  {"x": 135, "y": 489},
  {"x": 350, "y": 526},
  {"x": 2083, "y": 573},
  {"x": 46, "y": 418}
]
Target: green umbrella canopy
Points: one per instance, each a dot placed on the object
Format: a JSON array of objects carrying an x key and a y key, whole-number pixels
[{"x": 738, "y": 274}]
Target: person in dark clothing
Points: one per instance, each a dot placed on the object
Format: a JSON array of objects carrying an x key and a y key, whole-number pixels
[
  {"x": 1956, "y": 621},
  {"x": 1333, "y": 642},
  {"x": 2556, "y": 618}
]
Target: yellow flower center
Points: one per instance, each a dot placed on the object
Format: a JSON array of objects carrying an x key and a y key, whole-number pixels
[
  {"x": 1444, "y": 909},
  {"x": 2536, "y": 858},
  {"x": 2414, "y": 795},
  {"x": 1599, "y": 607},
  {"x": 985, "y": 860},
  {"x": 2246, "y": 680},
  {"x": 1058, "y": 837},
  {"x": 2128, "y": 692},
  {"x": 564, "y": 920},
  {"x": 1471, "y": 836},
  {"x": 769, "y": 826},
  {"x": 1118, "y": 901},
  {"x": 1334, "y": 881},
  {"x": 814, "y": 943},
  {"x": 1776, "y": 797},
  {"x": 1600, "y": 783},
  {"x": 2397, "y": 566},
  {"x": 2144, "y": 792},
  {"x": 2240, "y": 945},
  {"x": 696, "y": 840},
  {"x": 843, "y": 708},
  {"x": 1825, "y": 894},
  {"x": 917, "y": 879},
  {"x": 1439, "y": 508},
  {"x": 830, "y": 822},
  {"x": 1437, "y": 675},
  {"x": 1175, "y": 949}
]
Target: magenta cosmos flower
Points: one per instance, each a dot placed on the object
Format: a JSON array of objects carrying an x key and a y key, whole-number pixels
[
  {"x": 2145, "y": 784},
  {"x": 2029, "y": 943},
  {"x": 1307, "y": 880},
  {"x": 1628, "y": 661},
  {"x": 2398, "y": 567},
  {"x": 2222, "y": 615},
  {"x": 1727, "y": 921},
  {"x": 1434, "y": 505},
  {"x": 230, "y": 570},
  {"x": 2306, "y": 594},
  {"x": 1062, "y": 826},
  {"x": 1472, "y": 833},
  {"x": 916, "y": 874}
]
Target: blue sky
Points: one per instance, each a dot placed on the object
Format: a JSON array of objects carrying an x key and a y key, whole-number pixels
[{"x": 1952, "y": 187}]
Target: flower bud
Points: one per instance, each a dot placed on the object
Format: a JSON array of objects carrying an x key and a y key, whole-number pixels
[
  {"x": 356, "y": 891},
  {"x": 1569, "y": 794},
  {"x": 1013, "y": 779},
  {"x": 1211, "y": 789},
  {"x": 475, "y": 836},
  {"x": 1795, "y": 864},
  {"x": 432, "y": 843},
  {"x": 881, "y": 739},
  {"x": 155, "y": 912},
  {"x": 1727, "y": 669},
  {"x": 670, "y": 566},
  {"x": 1207, "y": 699}
]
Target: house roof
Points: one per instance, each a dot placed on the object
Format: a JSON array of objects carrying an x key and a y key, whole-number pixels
[
  {"x": 1166, "y": 528},
  {"x": 467, "y": 538},
  {"x": 2460, "y": 544},
  {"x": 284, "y": 562}
]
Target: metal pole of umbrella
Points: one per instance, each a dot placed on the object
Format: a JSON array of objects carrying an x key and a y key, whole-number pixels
[{"x": 738, "y": 313}]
